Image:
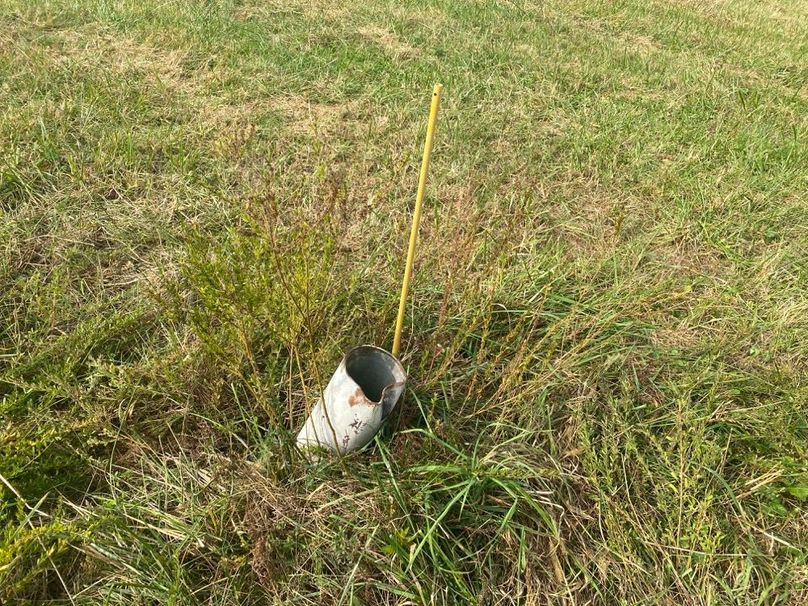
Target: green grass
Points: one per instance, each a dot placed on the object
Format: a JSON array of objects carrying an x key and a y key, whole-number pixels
[{"x": 204, "y": 204}]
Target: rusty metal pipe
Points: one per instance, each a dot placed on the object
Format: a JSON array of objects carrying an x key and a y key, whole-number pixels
[{"x": 360, "y": 395}]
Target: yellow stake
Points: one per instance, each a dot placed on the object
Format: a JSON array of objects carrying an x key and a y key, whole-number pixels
[{"x": 416, "y": 218}]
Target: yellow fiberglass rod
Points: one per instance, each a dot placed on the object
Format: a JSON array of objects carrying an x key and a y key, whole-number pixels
[{"x": 416, "y": 218}]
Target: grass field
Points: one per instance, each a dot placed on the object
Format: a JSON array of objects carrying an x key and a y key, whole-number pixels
[{"x": 203, "y": 205}]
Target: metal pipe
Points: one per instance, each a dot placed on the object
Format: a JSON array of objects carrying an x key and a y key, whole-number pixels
[{"x": 358, "y": 399}]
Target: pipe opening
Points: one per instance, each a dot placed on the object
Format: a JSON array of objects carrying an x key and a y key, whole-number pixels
[{"x": 372, "y": 370}]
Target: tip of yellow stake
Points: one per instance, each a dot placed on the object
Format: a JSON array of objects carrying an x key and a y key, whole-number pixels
[{"x": 416, "y": 217}]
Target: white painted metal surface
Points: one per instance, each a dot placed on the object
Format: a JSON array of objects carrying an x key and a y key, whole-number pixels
[{"x": 359, "y": 397}]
